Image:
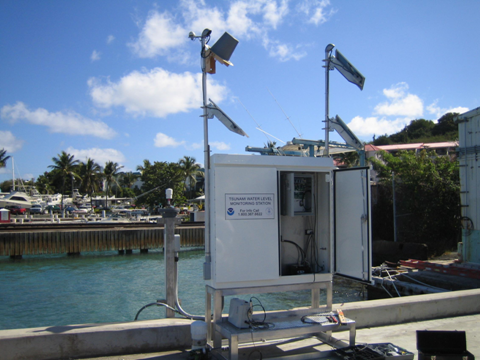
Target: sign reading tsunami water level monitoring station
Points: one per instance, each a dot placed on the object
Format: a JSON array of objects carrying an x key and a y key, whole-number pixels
[{"x": 249, "y": 206}]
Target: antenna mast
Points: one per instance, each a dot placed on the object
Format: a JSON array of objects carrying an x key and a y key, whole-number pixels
[
  {"x": 13, "y": 174},
  {"x": 284, "y": 113}
]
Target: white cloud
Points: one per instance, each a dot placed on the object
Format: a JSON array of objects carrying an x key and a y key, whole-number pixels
[
  {"x": 400, "y": 103},
  {"x": 68, "y": 122},
  {"x": 110, "y": 39},
  {"x": 372, "y": 125},
  {"x": 439, "y": 112},
  {"x": 100, "y": 156},
  {"x": 398, "y": 111},
  {"x": 162, "y": 140},
  {"x": 219, "y": 145},
  {"x": 163, "y": 34},
  {"x": 284, "y": 52},
  {"x": 195, "y": 146},
  {"x": 274, "y": 13},
  {"x": 197, "y": 16},
  {"x": 156, "y": 92},
  {"x": 95, "y": 56},
  {"x": 9, "y": 142},
  {"x": 239, "y": 23},
  {"x": 316, "y": 11},
  {"x": 159, "y": 35}
]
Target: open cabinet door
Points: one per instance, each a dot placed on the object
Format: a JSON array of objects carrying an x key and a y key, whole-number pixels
[{"x": 351, "y": 221}]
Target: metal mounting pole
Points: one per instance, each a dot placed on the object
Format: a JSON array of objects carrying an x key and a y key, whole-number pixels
[
  {"x": 328, "y": 49},
  {"x": 207, "y": 263},
  {"x": 169, "y": 220},
  {"x": 394, "y": 209}
]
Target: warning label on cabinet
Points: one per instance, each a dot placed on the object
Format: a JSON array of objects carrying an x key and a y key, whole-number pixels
[{"x": 249, "y": 206}]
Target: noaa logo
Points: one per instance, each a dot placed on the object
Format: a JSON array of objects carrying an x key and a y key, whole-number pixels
[{"x": 230, "y": 211}]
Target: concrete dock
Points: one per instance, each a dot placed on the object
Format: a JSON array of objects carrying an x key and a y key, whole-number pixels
[
  {"x": 389, "y": 320},
  {"x": 402, "y": 335}
]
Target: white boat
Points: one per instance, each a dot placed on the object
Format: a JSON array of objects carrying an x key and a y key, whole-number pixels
[
  {"x": 17, "y": 198},
  {"x": 47, "y": 199}
]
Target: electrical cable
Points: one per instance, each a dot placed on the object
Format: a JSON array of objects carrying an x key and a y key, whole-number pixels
[
  {"x": 393, "y": 283},
  {"x": 177, "y": 302},
  {"x": 301, "y": 252},
  {"x": 310, "y": 243},
  {"x": 202, "y": 51},
  {"x": 155, "y": 303},
  {"x": 258, "y": 325}
]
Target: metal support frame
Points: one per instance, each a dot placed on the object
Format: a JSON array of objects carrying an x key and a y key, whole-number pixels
[{"x": 287, "y": 322}]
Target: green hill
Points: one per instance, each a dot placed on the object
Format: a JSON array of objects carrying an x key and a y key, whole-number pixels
[{"x": 422, "y": 131}]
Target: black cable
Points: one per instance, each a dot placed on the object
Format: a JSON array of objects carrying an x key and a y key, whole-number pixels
[
  {"x": 313, "y": 245},
  {"x": 158, "y": 304},
  {"x": 202, "y": 52},
  {"x": 258, "y": 325},
  {"x": 299, "y": 249}
]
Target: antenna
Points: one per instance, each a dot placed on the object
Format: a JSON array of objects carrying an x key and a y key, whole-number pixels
[
  {"x": 284, "y": 113},
  {"x": 259, "y": 128},
  {"x": 248, "y": 112},
  {"x": 13, "y": 174},
  {"x": 263, "y": 131}
]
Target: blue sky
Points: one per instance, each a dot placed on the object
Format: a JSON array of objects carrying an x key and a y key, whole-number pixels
[{"x": 120, "y": 80}]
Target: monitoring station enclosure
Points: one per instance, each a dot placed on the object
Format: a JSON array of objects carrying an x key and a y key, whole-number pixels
[{"x": 280, "y": 220}]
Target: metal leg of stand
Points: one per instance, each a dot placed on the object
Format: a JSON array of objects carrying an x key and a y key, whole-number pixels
[
  {"x": 208, "y": 314},
  {"x": 329, "y": 296},
  {"x": 353, "y": 333},
  {"x": 217, "y": 318},
  {"x": 233, "y": 344},
  {"x": 315, "y": 298}
]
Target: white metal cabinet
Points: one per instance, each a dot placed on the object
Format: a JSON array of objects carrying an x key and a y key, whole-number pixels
[{"x": 250, "y": 251}]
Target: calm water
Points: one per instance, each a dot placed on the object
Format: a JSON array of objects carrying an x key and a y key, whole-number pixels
[{"x": 49, "y": 290}]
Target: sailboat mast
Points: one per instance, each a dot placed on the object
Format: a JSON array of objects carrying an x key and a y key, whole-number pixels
[{"x": 13, "y": 173}]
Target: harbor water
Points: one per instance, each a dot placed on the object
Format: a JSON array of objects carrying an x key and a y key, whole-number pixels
[{"x": 105, "y": 287}]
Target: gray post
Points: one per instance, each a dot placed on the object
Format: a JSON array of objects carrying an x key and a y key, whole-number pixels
[
  {"x": 394, "y": 209},
  {"x": 169, "y": 220},
  {"x": 206, "y": 151},
  {"x": 328, "y": 49}
]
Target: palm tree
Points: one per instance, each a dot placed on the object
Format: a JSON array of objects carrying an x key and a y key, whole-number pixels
[
  {"x": 66, "y": 166},
  {"x": 110, "y": 172},
  {"x": 146, "y": 165},
  {"x": 128, "y": 179},
  {"x": 3, "y": 158},
  {"x": 90, "y": 173},
  {"x": 44, "y": 184},
  {"x": 190, "y": 170}
]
